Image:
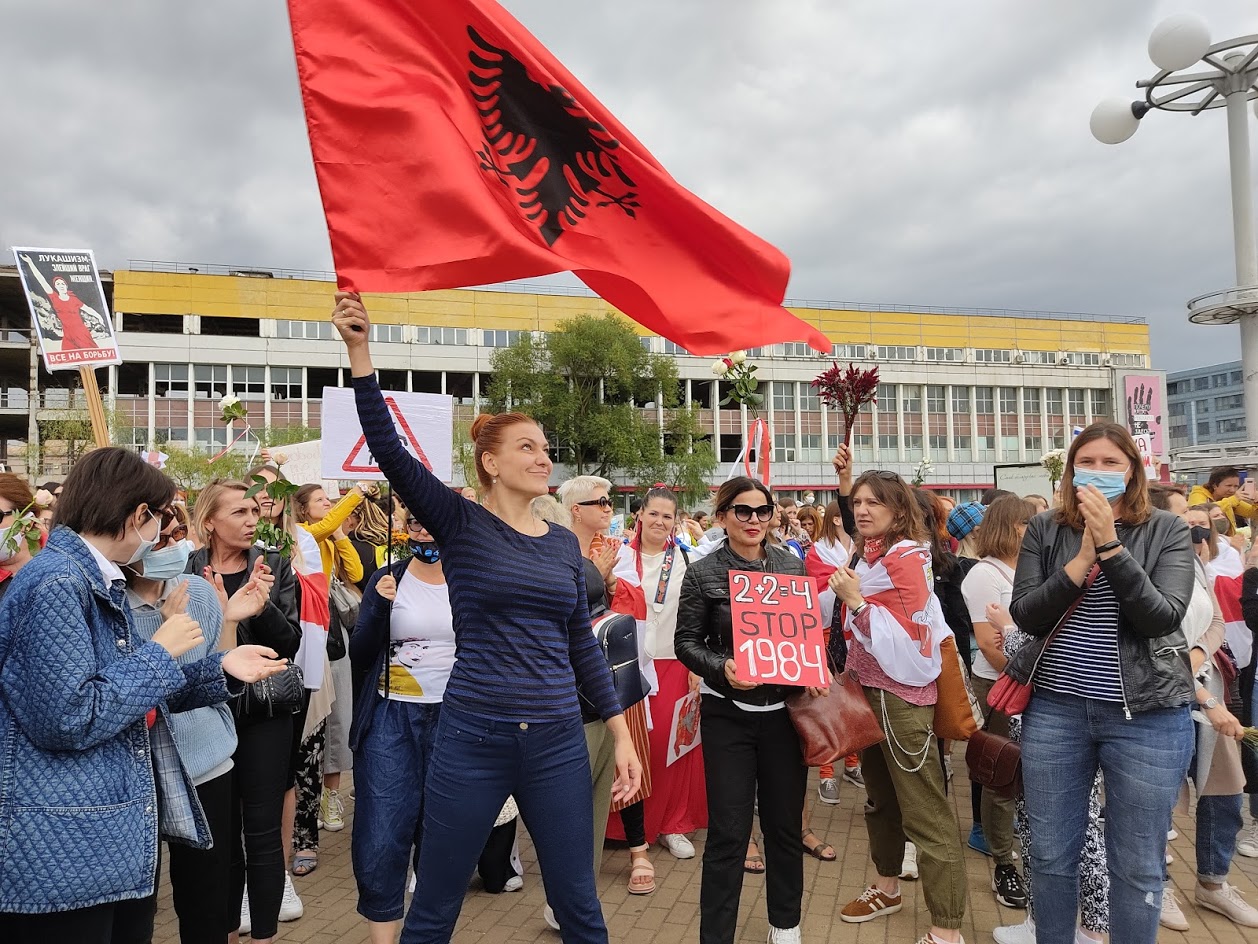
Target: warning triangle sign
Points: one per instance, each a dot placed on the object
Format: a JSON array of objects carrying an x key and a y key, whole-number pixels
[{"x": 360, "y": 460}]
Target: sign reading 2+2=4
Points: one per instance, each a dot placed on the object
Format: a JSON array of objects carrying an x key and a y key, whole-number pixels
[{"x": 777, "y": 629}]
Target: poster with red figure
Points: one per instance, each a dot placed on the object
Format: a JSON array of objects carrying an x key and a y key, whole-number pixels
[{"x": 68, "y": 309}]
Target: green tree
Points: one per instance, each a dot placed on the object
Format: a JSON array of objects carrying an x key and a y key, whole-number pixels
[
  {"x": 273, "y": 436},
  {"x": 684, "y": 461},
  {"x": 585, "y": 383},
  {"x": 192, "y": 470}
]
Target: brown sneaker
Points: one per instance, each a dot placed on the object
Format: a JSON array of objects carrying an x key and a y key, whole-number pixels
[{"x": 872, "y": 903}]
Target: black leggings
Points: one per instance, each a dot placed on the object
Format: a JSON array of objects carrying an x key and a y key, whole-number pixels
[
  {"x": 119, "y": 922},
  {"x": 633, "y": 818},
  {"x": 495, "y": 862},
  {"x": 259, "y": 780},
  {"x": 200, "y": 879}
]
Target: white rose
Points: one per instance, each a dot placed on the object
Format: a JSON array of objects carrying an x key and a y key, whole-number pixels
[
  {"x": 739, "y": 357},
  {"x": 720, "y": 368},
  {"x": 229, "y": 400}
]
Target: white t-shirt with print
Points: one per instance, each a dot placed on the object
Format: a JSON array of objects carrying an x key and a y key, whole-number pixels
[
  {"x": 421, "y": 642},
  {"x": 989, "y": 581}
]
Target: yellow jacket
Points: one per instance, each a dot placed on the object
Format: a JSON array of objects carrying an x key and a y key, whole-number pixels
[
  {"x": 1232, "y": 506},
  {"x": 338, "y": 552}
]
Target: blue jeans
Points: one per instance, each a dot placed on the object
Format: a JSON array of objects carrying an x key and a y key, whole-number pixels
[
  {"x": 1218, "y": 822},
  {"x": 391, "y": 764},
  {"x": 1143, "y": 762},
  {"x": 476, "y": 764}
]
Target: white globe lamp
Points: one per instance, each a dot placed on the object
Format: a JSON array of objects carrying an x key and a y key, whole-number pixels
[
  {"x": 1115, "y": 120},
  {"x": 1178, "y": 42}
]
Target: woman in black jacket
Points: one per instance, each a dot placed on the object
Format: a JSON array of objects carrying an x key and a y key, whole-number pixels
[
  {"x": 1112, "y": 688},
  {"x": 749, "y": 743},
  {"x": 225, "y": 521}
]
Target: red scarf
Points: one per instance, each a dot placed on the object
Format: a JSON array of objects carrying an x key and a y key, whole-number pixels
[{"x": 873, "y": 549}]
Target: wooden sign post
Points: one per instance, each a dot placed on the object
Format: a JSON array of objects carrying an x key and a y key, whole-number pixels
[{"x": 95, "y": 406}]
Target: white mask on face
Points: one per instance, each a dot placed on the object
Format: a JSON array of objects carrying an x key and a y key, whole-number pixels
[{"x": 146, "y": 545}]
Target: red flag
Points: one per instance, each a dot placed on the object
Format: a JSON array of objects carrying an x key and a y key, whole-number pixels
[{"x": 453, "y": 149}]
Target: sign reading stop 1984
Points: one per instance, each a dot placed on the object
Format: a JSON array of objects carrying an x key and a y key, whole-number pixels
[{"x": 777, "y": 629}]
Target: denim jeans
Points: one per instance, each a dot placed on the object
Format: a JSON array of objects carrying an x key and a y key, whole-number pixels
[
  {"x": 391, "y": 764},
  {"x": 1218, "y": 822},
  {"x": 1143, "y": 761},
  {"x": 476, "y": 764}
]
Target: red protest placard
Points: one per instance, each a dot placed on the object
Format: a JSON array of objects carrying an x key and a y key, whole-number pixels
[{"x": 777, "y": 629}]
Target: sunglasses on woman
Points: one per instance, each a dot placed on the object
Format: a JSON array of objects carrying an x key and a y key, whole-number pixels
[
  {"x": 605, "y": 502},
  {"x": 414, "y": 524},
  {"x": 745, "y": 512}
]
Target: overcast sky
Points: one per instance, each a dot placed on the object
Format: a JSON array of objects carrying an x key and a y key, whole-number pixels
[{"x": 904, "y": 151}]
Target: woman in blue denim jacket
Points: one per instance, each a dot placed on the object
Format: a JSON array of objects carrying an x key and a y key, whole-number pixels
[{"x": 85, "y": 742}]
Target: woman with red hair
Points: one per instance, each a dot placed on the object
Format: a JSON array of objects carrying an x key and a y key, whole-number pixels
[{"x": 20, "y": 534}]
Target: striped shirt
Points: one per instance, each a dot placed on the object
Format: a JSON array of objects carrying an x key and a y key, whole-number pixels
[
  {"x": 1082, "y": 659},
  {"x": 521, "y": 620}
]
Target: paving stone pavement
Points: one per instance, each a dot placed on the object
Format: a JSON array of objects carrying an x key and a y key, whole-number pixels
[{"x": 671, "y": 914}]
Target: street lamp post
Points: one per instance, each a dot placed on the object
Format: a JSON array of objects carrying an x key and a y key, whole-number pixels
[{"x": 1179, "y": 44}]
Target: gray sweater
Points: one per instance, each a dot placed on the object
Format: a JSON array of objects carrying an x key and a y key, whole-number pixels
[{"x": 204, "y": 737}]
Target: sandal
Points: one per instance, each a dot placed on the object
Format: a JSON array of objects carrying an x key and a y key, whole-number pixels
[
  {"x": 304, "y": 863},
  {"x": 822, "y": 850},
  {"x": 641, "y": 868},
  {"x": 753, "y": 864}
]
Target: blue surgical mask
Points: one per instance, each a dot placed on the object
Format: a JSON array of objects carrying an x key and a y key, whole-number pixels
[
  {"x": 426, "y": 552},
  {"x": 1110, "y": 484},
  {"x": 169, "y": 562}
]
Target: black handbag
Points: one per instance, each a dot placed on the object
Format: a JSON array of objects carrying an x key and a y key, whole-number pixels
[
  {"x": 617, "y": 635},
  {"x": 282, "y": 694}
]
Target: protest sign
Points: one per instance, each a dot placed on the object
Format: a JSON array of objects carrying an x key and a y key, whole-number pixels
[
  {"x": 302, "y": 464},
  {"x": 68, "y": 310},
  {"x": 777, "y": 629},
  {"x": 684, "y": 735},
  {"x": 424, "y": 424}
]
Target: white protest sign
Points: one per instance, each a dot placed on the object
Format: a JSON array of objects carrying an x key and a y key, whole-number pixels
[
  {"x": 424, "y": 424},
  {"x": 302, "y": 464}
]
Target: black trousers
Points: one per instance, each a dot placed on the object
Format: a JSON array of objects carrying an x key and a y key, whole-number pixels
[
  {"x": 119, "y": 922},
  {"x": 495, "y": 861},
  {"x": 200, "y": 879},
  {"x": 259, "y": 780},
  {"x": 749, "y": 755}
]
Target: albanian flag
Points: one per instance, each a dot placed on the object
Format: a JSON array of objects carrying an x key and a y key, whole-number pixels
[{"x": 453, "y": 149}]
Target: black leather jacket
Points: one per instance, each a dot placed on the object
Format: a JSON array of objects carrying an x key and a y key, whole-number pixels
[
  {"x": 277, "y": 626},
  {"x": 705, "y": 633},
  {"x": 1153, "y": 580}
]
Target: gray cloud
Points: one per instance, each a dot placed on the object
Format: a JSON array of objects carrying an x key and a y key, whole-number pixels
[{"x": 913, "y": 152}]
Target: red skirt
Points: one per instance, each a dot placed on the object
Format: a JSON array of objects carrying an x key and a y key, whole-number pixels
[{"x": 679, "y": 800}]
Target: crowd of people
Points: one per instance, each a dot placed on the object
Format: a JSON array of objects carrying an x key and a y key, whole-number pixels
[{"x": 196, "y": 682}]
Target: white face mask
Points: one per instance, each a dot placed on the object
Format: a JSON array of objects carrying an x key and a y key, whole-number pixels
[{"x": 146, "y": 545}]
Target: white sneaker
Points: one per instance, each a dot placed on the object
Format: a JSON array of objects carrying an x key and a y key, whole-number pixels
[
  {"x": 1172, "y": 916},
  {"x": 246, "y": 923},
  {"x": 1023, "y": 933},
  {"x": 291, "y": 907},
  {"x": 909, "y": 869},
  {"x": 1247, "y": 841},
  {"x": 678, "y": 845},
  {"x": 1173, "y": 833},
  {"x": 1228, "y": 902},
  {"x": 549, "y": 915},
  {"x": 784, "y": 935},
  {"x": 514, "y": 884}
]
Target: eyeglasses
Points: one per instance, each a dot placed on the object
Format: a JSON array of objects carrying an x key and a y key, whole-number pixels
[
  {"x": 604, "y": 502},
  {"x": 5, "y": 515},
  {"x": 889, "y": 476},
  {"x": 745, "y": 512},
  {"x": 414, "y": 524}
]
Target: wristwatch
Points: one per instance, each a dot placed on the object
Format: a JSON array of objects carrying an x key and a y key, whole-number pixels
[{"x": 1210, "y": 703}]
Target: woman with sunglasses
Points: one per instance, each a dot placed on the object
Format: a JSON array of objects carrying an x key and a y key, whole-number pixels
[
  {"x": 262, "y": 893},
  {"x": 897, "y": 627},
  {"x": 1111, "y": 578},
  {"x": 750, "y": 746},
  {"x": 510, "y": 719},
  {"x": 20, "y": 533},
  {"x": 157, "y": 589},
  {"x": 91, "y": 774}
]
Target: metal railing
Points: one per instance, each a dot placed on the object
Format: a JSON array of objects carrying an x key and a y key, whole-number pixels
[{"x": 543, "y": 288}]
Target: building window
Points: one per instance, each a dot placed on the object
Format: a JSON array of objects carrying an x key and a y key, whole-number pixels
[
  {"x": 304, "y": 330},
  {"x": 670, "y": 347},
  {"x": 211, "y": 381},
  {"x": 991, "y": 355},
  {"x": 911, "y": 398},
  {"x": 1175, "y": 409},
  {"x": 985, "y": 423},
  {"x": 1203, "y": 406},
  {"x": 1218, "y": 380},
  {"x": 1078, "y": 409},
  {"x": 784, "y": 447},
  {"x": 212, "y": 437},
  {"x": 286, "y": 383},
  {"x": 1203, "y": 429},
  {"x": 797, "y": 349},
  {"x": 1201, "y": 383},
  {"x": 1039, "y": 357},
  {"x": 647, "y": 343},
  {"x": 430, "y": 335},
  {"x": 508, "y": 338},
  {"x": 897, "y": 352},
  {"x": 1232, "y": 402},
  {"x": 1126, "y": 360},
  {"x": 952, "y": 355},
  {"x": 249, "y": 381},
  {"x": 386, "y": 333},
  {"x": 170, "y": 380},
  {"x": 936, "y": 399},
  {"x": 1229, "y": 427},
  {"x": 1102, "y": 405},
  {"x": 1083, "y": 358},
  {"x": 784, "y": 396},
  {"x": 849, "y": 350},
  {"x": 809, "y": 401},
  {"x": 810, "y": 448},
  {"x": 230, "y": 327},
  {"x": 1237, "y": 377}
]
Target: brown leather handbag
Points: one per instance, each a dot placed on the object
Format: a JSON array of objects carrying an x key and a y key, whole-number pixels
[
  {"x": 995, "y": 762},
  {"x": 832, "y": 726}
]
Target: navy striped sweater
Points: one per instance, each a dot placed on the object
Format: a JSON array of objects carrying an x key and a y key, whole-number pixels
[{"x": 521, "y": 621}]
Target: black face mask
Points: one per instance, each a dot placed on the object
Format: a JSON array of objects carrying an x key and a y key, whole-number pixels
[
  {"x": 426, "y": 552},
  {"x": 1201, "y": 535}
]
